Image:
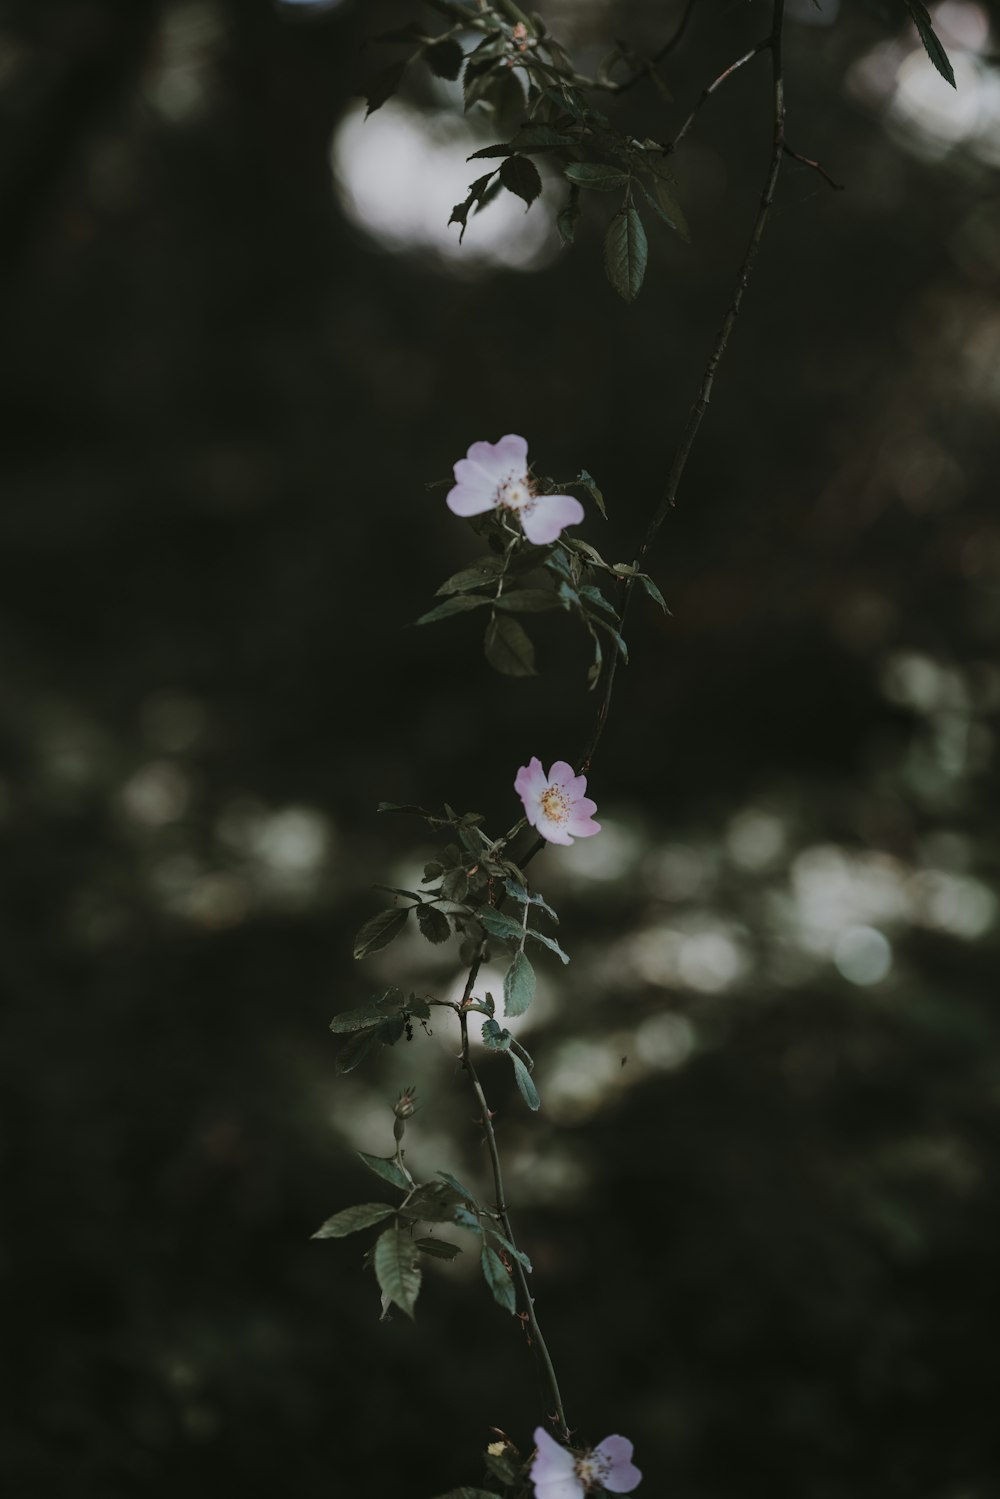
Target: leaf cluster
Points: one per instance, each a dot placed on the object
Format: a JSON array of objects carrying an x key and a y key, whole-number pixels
[
  {"x": 398, "y": 1253},
  {"x": 517, "y": 577}
]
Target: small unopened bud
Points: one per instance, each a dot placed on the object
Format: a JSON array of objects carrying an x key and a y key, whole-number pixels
[{"x": 405, "y": 1106}]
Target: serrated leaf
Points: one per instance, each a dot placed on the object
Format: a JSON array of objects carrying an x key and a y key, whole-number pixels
[
  {"x": 434, "y": 1202},
  {"x": 590, "y": 484},
  {"x": 618, "y": 639},
  {"x": 454, "y": 1182},
  {"x": 439, "y": 1249},
  {"x": 397, "y": 1269},
  {"x": 550, "y": 943},
  {"x": 383, "y": 84},
  {"x": 502, "y": 1466},
  {"x": 386, "y": 1168},
  {"x": 433, "y": 925},
  {"x": 520, "y": 176},
  {"x": 352, "y": 1220},
  {"x": 527, "y": 601},
  {"x": 517, "y": 1254},
  {"x": 476, "y": 78},
  {"x": 418, "y": 1007},
  {"x": 508, "y": 648},
  {"x": 596, "y": 597},
  {"x": 625, "y": 253},
  {"x": 445, "y": 58},
  {"x": 494, "y": 1036},
  {"x": 932, "y": 44},
  {"x": 499, "y": 924},
  {"x": 490, "y": 152},
  {"x": 365, "y": 1017},
  {"x": 455, "y": 885},
  {"x": 389, "y": 1030},
  {"x": 520, "y": 894},
  {"x": 653, "y": 591},
  {"x": 480, "y": 574},
  {"x": 498, "y": 1280},
  {"x": 542, "y": 138},
  {"x": 593, "y": 174},
  {"x": 518, "y": 986},
  {"x": 466, "y": 1493},
  {"x": 355, "y": 1051},
  {"x": 661, "y": 199},
  {"x": 525, "y": 1085},
  {"x": 461, "y": 603},
  {"x": 566, "y": 218},
  {"x": 379, "y": 931}
]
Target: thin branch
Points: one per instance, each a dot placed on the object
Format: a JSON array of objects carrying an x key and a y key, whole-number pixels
[
  {"x": 537, "y": 1340},
  {"x": 700, "y": 406},
  {"x": 807, "y": 161},
  {"x": 668, "y": 46},
  {"x": 707, "y": 93}
]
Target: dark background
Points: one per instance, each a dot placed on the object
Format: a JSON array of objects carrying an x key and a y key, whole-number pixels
[{"x": 766, "y": 1244}]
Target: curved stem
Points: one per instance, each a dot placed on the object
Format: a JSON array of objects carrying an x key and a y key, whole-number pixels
[{"x": 537, "y": 1339}]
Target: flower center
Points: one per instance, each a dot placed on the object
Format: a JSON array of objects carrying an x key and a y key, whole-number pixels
[
  {"x": 555, "y": 804},
  {"x": 516, "y": 493},
  {"x": 592, "y": 1469}
]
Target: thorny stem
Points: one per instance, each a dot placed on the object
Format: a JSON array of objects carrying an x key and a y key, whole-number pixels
[
  {"x": 772, "y": 44},
  {"x": 697, "y": 412},
  {"x": 537, "y": 1339},
  {"x": 707, "y": 93}
]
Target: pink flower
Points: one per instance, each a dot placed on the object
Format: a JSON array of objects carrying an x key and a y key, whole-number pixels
[
  {"x": 555, "y": 803},
  {"x": 494, "y": 476},
  {"x": 557, "y": 1474}
]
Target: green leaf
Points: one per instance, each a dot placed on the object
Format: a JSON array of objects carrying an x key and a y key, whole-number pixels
[
  {"x": 625, "y": 252},
  {"x": 389, "y": 1030},
  {"x": 454, "y": 1182},
  {"x": 494, "y": 1037},
  {"x": 386, "y": 1168},
  {"x": 363, "y": 1018},
  {"x": 516, "y": 1254},
  {"x": 489, "y": 152},
  {"x": 520, "y": 176},
  {"x": 618, "y": 639},
  {"x": 520, "y": 894},
  {"x": 460, "y": 604},
  {"x": 479, "y": 575},
  {"x": 383, "y": 85},
  {"x": 665, "y": 205},
  {"x": 466, "y": 1493},
  {"x": 542, "y": 138},
  {"x": 355, "y": 1051},
  {"x": 455, "y": 885},
  {"x": 526, "y": 1087},
  {"x": 438, "y": 1249},
  {"x": 433, "y": 925},
  {"x": 527, "y": 601},
  {"x": 518, "y": 986},
  {"x": 508, "y": 648},
  {"x": 418, "y": 1007},
  {"x": 566, "y": 218},
  {"x": 590, "y": 485},
  {"x": 466, "y": 1219},
  {"x": 549, "y": 942},
  {"x": 499, "y": 924},
  {"x": 397, "y": 1269},
  {"x": 444, "y": 58},
  {"x": 653, "y": 591},
  {"x": 595, "y": 596},
  {"x": 476, "y": 78},
  {"x": 352, "y": 1220},
  {"x": 434, "y": 1202},
  {"x": 595, "y": 175},
  {"x": 379, "y": 931},
  {"x": 497, "y": 1278},
  {"x": 932, "y": 45}
]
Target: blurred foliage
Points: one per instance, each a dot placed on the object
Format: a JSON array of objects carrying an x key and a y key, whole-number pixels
[{"x": 758, "y": 1196}]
